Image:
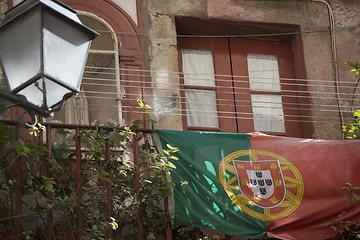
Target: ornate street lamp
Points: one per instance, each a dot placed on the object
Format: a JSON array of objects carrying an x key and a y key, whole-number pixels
[{"x": 43, "y": 52}]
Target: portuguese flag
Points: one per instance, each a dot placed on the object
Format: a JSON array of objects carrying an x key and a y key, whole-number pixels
[{"x": 258, "y": 186}]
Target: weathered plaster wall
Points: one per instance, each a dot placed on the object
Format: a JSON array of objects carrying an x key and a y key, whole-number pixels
[
  {"x": 347, "y": 21},
  {"x": 159, "y": 16}
]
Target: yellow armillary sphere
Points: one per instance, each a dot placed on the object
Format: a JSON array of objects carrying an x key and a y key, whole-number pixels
[{"x": 294, "y": 185}]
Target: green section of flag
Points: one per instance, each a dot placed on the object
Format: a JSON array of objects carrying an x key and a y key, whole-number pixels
[{"x": 200, "y": 199}]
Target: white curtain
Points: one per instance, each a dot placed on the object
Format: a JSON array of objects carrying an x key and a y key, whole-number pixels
[
  {"x": 267, "y": 108},
  {"x": 201, "y": 108},
  {"x": 198, "y": 69},
  {"x": 268, "y": 113},
  {"x": 263, "y": 72}
]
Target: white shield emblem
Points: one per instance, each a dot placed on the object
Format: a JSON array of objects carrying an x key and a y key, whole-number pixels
[{"x": 261, "y": 183}]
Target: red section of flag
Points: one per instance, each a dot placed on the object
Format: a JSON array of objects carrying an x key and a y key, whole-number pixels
[{"x": 325, "y": 167}]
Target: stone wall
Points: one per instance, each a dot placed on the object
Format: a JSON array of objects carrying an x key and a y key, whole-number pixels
[{"x": 3, "y": 8}]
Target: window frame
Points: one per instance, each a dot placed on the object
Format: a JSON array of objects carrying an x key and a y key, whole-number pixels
[
  {"x": 225, "y": 70},
  {"x": 226, "y": 112}
]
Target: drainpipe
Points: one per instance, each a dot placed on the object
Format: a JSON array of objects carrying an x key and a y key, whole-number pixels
[{"x": 334, "y": 58}]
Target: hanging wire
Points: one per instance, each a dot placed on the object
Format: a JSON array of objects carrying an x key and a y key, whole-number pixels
[
  {"x": 306, "y": 95},
  {"x": 317, "y": 93},
  {"x": 325, "y": 30},
  {"x": 100, "y": 85}
]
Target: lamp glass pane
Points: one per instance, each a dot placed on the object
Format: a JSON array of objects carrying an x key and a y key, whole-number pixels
[
  {"x": 33, "y": 93},
  {"x": 20, "y": 49},
  {"x": 65, "y": 51},
  {"x": 54, "y": 92}
]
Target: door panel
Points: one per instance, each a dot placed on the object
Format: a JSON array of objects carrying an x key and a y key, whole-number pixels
[
  {"x": 239, "y": 48},
  {"x": 224, "y": 97}
]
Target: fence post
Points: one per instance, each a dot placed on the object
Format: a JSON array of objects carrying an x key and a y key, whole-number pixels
[
  {"x": 137, "y": 184},
  {"x": 167, "y": 215},
  {"x": 49, "y": 214},
  {"x": 18, "y": 210},
  {"x": 197, "y": 232},
  {"x": 109, "y": 187},
  {"x": 78, "y": 182}
]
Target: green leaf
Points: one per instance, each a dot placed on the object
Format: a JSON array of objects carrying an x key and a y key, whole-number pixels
[
  {"x": 173, "y": 157},
  {"x": 104, "y": 173},
  {"x": 356, "y": 197},
  {"x": 50, "y": 189},
  {"x": 137, "y": 122},
  {"x": 39, "y": 208},
  {"x": 150, "y": 119},
  {"x": 150, "y": 236},
  {"x": 140, "y": 103},
  {"x": 106, "y": 179},
  {"x": 156, "y": 167},
  {"x": 170, "y": 164},
  {"x": 351, "y": 64},
  {"x": 183, "y": 189}
]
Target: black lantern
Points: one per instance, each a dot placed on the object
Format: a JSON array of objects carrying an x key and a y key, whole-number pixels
[{"x": 43, "y": 52}]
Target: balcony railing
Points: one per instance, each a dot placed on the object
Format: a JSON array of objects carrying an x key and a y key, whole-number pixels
[{"x": 82, "y": 182}]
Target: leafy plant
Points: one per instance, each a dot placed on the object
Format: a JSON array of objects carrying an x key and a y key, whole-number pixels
[
  {"x": 355, "y": 69},
  {"x": 35, "y": 185},
  {"x": 353, "y": 128},
  {"x": 348, "y": 229},
  {"x": 120, "y": 172},
  {"x": 106, "y": 161}
]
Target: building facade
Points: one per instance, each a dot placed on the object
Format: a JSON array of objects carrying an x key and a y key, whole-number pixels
[
  {"x": 233, "y": 66},
  {"x": 313, "y": 93}
]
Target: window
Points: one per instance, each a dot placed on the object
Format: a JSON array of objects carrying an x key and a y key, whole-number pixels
[
  {"x": 238, "y": 85},
  {"x": 98, "y": 98},
  {"x": 200, "y": 93},
  {"x": 267, "y": 108}
]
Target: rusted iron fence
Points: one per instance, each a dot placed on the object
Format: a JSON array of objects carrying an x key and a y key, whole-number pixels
[{"x": 61, "y": 184}]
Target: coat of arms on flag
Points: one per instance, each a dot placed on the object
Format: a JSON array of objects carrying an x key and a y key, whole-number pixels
[
  {"x": 263, "y": 179},
  {"x": 261, "y": 182}
]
